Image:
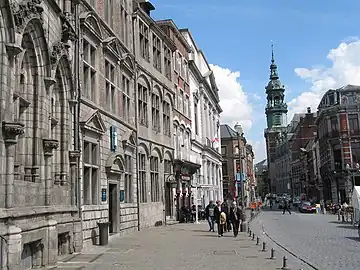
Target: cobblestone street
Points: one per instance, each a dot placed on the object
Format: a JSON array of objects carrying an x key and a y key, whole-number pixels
[
  {"x": 181, "y": 246},
  {"x": 320, "y": 240}
]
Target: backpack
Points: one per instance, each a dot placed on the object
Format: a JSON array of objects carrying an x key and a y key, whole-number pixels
[
  {"x": 211, "y": 211},
  {"x": 222, "y": 218}
]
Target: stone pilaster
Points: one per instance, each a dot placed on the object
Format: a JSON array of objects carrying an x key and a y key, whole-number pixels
[
  {"x": 78, "y": 237},
  {"x": 49, "y": 146},
  {"x": 11, "y": 132},
  {"x": 52, "y": 240},
  {"x": 14, "y": 248},
  {"x": 73, "y": 158}
]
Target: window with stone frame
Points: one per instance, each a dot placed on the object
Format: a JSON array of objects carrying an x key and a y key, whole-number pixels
[
  {"x": 186, "y": 105},
  {"x": 154, "y": 176},
  {"x": 155, "y": 112},
  {"x": 180, "y": 105},
  {"x": 89, "y": 70},
  {"x": 156, "y": 52},
  {"x": 166, "y": 118},
  {"x": 186, "y": 70},
  {"x": 109, "y": 12},
  {"x": 178, "y": 60},
  {"x": 142, "y": 178},
  {"x": 91, "y": 162},
  {"x": 126, "y": 100},
  {"x": 196, "y": 120},
  {"x": 167, "y": 166},
  {"x": 167, "y": 62},
  {"x": 353, "y": 124},
  {"x": 142, "y": 105},
  {"x": 144, "y": 41},
  {"x": 110, "y": 86},
  {"x": 124, "y": 23},
  {"x": 128, "y": 179}
]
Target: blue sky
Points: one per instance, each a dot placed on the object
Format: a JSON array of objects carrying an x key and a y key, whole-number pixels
[{"x": 236, "y": 35}]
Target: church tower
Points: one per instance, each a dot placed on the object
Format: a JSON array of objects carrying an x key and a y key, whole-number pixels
[
  {"x": 276, "y": 108},
  {"x": 276, "y": 116}
]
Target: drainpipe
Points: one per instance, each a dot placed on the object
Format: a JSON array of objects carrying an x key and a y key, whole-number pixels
[
  {"x": 136, "y": 124},
  {"x": 77, "y": 112}
]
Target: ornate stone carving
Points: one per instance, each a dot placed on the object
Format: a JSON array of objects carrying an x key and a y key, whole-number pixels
[
  {"x": 68, "y": 32},
  {"x": 13, "y": 49},
  {"x": 11, "y": 131},
  {"x": 50, "y": 145},
  {"x": 25, "y": 11},
  {"x": 59, "y": 49},
  {"x": 73, "y": 156}
]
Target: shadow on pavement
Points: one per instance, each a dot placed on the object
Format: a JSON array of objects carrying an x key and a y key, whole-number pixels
[{"x": 347, "y": 227}]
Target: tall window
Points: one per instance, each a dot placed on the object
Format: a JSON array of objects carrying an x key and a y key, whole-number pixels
[
  {"x": 142, "y": 178},
  {"x": 186, "y": 105},
  {"x": 144, "y": 41},
  {"x": 142, "y": 105},
  {"x": 353, "y": 123},
  {"x": 90, "y": 172},
  {"x": 166, "y": 118},
  {"x": 89, "y": 71},
  {"x": 128, "y": 180},
  {"x": 109, "y": 11},
  {"x": 155, "y": 112},
  {"x": 154, "y": 175},
  {"x": 180, "y": 106},
  {"x": 167, "y": 166},
  {"x": 157, "y": 53},
  {"x": 124, "y": 23},
  {"x": 110, "y": 86},
  {"x": 167, "y": 62},
  {"x": 126, "y": 98},
  {"x": 196, "y": 118}
]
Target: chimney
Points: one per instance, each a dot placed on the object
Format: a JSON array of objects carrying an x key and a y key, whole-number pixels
[
  {"x": 308, "y": 110},
  {"x": 146, "y": 6}
]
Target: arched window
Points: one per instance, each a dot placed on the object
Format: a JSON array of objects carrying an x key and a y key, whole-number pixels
[
  {"x": 154, "y": 176},
  {"x": 142, "y": 177}
]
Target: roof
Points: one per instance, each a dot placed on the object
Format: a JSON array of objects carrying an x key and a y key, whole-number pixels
[{"x": 226, "y": 132}]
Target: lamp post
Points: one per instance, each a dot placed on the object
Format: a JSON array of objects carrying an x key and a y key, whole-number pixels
[{"x": 240, "y": 134}]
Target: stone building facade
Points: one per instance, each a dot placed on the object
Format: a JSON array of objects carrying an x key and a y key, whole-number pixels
[
  {"x": 107, "y": 119},
  {"x": 39, "y": 214},
  {"x": 155, "y": 103},
  {"x": 205, "y": 115}
]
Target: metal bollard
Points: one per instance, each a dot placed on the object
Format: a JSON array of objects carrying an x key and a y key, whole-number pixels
[
  {"x": 248, "y": 229},
  {"x": 250, "y": 233},
  {"x": 257, "y": 241},
  {"x": 264, "y": 246},
  {"x": 272, "y": 254},
  {"x": 253, "y": 236},
  {"x": 284, "y": 267}
]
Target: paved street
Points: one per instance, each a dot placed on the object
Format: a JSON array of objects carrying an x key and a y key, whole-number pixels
[
  {"x": 181, "y": 246},
  {"x": 318, "y": 239}
]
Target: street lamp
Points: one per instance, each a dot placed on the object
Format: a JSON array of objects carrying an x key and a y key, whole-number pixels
[{"x": 239, "y": 132}]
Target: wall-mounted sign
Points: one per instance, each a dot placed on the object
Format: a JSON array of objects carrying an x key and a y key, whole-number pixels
[
  {"x": 122, "y": 195},
  {"x": 103, "y": 195},
  {"x": 113, "y": 138}
]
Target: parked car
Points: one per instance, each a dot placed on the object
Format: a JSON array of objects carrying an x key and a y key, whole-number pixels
[{"x": 307, "y": 207}]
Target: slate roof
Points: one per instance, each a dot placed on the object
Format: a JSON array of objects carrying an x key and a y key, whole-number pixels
[{"x": 226, "y": 132}]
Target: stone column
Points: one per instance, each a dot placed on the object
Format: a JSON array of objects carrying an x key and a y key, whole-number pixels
[
  {"x": 11, "y": 132},
  {"x": 78, "y": 237},
  {"x": 51, "y": 252},
  {"x": 73, "y": 158},
  {"x": 14, "y": 248},
  {"x": 49, "y": 146}
]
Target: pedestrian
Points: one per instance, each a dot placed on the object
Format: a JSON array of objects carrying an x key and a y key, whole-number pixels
[
  {"x": 226, "y": 209},
  {"x": 210, "y": 215},
  {"x": 236, "y": 216},
  {"x": 222, "y": 223},
  {"x": 286, "y": 206},
  {"x": 217, "y": 214}
]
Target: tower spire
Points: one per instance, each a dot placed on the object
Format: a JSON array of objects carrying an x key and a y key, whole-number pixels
[{"x": 273, "y": 67}]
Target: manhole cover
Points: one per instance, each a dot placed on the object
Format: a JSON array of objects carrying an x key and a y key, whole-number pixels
[
  {"x": 244, "y": 247},
  {"x": 83, "y": 258},
  {"x": 225, "y": 252},
  {"x": 251, "y": 257}
]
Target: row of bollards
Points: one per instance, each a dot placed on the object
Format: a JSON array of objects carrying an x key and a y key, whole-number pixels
[{"x": 272, "y": 251}]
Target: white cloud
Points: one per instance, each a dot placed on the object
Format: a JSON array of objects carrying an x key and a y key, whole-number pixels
[
  {"x": 233, "y": 99},
  {"x": 345, "y": 70},
  {"x": 259, "y": 149}
]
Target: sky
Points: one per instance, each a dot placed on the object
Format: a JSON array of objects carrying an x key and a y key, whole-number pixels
[{"x": 316, "y": 46}]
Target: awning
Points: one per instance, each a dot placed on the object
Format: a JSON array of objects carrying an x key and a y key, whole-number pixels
[{"x": 355, "y": 202}]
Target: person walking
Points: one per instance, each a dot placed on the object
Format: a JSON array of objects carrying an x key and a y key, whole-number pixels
[
  {"x": 286, "y": 206},
  {"x": 210, "y": 215},
  {"x": 236, "y": 216},
  {"x": 226, "y": 209},
  {"x": 222, "y": 223}
]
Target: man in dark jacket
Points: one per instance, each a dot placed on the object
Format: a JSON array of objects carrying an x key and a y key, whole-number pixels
[
  {"x": 210, "y": 214},
  {"x": 236, "y": 216},
  {"x": 226, "y": 209},
  {"x": 286, "y": 206}
]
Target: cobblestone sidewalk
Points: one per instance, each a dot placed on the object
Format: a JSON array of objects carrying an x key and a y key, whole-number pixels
[{"x": 180, "y": 246}]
